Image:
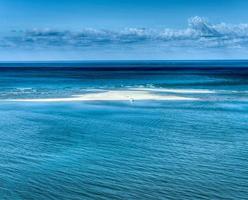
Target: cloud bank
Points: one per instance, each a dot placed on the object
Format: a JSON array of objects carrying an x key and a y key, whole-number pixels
[{"x": 199, "y": 34}]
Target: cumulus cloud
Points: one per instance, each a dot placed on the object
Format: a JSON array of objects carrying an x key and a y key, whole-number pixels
[{"x": 198, "y": 34}]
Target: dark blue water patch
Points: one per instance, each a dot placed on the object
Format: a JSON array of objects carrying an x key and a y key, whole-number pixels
[{"x": 138, "y": 64}]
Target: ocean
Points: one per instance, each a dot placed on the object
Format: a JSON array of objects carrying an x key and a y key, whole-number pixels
[{"x": 124, "y": 130}]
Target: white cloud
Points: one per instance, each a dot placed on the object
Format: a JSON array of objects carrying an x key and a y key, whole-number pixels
[{"x": 198, "y": 34}]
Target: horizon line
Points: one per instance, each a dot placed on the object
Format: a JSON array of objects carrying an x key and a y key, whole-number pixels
[{"x": 132, "y": 60}]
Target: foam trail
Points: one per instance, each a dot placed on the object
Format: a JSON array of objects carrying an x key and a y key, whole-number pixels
[{"x": 116, "y": 95}]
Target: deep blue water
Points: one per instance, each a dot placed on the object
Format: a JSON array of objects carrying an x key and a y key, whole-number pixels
[{"x": 122, "y": 150}]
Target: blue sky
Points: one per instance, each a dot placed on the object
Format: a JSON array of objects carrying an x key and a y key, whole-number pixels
[{"x": 123, "y": 29}]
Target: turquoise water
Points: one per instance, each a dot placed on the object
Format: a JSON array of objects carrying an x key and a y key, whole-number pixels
[{"x": 122, "y": 150}]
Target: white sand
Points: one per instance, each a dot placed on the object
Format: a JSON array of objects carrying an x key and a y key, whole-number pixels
[
  {"x": 182, "y": 91},
  {"x": 112, "y": 95}
]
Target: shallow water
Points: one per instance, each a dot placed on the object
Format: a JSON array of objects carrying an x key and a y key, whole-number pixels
[{"x": 149, "y": 149}]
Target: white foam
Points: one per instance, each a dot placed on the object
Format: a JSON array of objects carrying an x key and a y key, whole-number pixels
[{"x": 111, "y": 95}]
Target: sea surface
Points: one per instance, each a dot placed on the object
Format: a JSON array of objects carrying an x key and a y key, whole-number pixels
[{"x": 118, "y": 149}]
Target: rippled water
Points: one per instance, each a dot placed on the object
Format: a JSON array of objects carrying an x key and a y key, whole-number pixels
[{"x": 121, "y": 149}]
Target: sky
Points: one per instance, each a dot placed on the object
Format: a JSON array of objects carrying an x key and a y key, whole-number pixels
[{"x": 123, "y": 29}]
